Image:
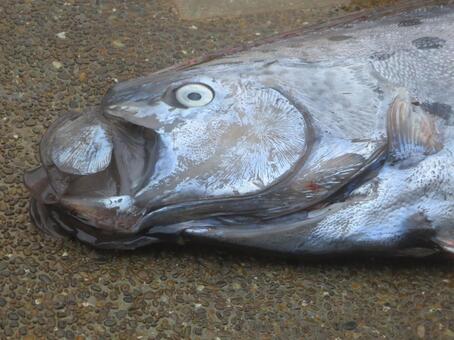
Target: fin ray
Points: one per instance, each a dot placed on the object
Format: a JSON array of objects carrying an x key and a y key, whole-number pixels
[{"x": 412, "y": 132}]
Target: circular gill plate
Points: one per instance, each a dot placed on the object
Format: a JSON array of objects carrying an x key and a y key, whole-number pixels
[
  {"x": 232, "y": 149},
  {"x": 267, "y": 141}
]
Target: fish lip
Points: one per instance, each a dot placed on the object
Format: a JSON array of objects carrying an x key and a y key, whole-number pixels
[{"x": 39, "y": 214}]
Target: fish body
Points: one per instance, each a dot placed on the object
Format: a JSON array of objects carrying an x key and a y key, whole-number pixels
[{"x": 335, "y": 141}]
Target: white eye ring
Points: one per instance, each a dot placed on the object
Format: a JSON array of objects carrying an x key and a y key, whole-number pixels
[{"x": 194, "y": 95}]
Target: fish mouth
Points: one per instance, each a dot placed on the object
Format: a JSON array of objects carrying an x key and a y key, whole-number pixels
[
  {"x": 98, "y": 192},
  {"x": 61, "y": 216}
]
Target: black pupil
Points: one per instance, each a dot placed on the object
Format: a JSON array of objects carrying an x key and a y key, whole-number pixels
[{"x": 194, "y": 96}]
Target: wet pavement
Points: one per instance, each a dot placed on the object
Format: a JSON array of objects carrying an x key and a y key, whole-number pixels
[{"x": 57, "y": 55}]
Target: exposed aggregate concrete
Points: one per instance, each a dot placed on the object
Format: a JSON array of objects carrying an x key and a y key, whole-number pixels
[{"x": 57, "y": 55}]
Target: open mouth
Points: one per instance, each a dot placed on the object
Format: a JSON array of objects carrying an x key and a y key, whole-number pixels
[{"x": 91, "y": 169}]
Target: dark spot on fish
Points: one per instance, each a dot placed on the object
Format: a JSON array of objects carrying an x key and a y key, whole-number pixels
[
  {"x": 270, "y": 63},
  {"x": 438, "y": 109},
  {"x": 232, "y": 63},
  {"x": 409, "y": 22},
  {"x": 379, "y": 90},
  {"x": 339, "y": 37},
  {"x": 418, "y": 232},
  {"x": 427, "y": 43},
  {"x": 381, "y": 56}
]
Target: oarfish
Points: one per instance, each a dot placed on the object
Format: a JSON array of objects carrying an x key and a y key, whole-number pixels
[{"x": 335, "y": 140}]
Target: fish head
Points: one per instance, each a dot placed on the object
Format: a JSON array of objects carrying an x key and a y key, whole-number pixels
[{"x": 174, "y": 139}]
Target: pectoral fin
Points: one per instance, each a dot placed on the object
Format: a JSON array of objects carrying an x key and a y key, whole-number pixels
[{"x": 412, "y": 132}]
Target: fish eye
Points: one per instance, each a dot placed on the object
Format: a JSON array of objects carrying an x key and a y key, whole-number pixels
[{"x": 194, "y": 95}]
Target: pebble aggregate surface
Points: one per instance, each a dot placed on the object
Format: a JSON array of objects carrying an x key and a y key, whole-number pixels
[{"x": 60, "y": 55}]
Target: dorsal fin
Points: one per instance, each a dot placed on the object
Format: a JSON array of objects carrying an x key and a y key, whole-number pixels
[{"x": 412, "y": 132}]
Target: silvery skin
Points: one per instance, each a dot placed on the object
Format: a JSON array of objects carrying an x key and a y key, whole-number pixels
[{"x": 336, "y": 141}]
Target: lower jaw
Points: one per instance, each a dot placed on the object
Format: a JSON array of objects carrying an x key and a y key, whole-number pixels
[
  {"x": 54, "y": 220},
  {"x": 59, "y": 224}
]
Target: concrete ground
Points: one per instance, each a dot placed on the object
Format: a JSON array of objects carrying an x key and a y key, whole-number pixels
[{"x": 56, "y": 55}]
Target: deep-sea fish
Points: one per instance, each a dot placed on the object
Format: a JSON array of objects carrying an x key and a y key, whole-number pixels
[{"x": 336, "y": 140}]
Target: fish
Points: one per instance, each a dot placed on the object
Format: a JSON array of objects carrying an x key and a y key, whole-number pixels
[{"x": 336, "y": 140}]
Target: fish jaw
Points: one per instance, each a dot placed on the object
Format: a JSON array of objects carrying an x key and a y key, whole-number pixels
[
  {"x": 58, "y": 224},
  {"x": 91, "y": 168}
]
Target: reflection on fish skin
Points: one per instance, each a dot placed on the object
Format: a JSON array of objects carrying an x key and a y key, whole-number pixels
[{"x": 338, "y": 140}]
